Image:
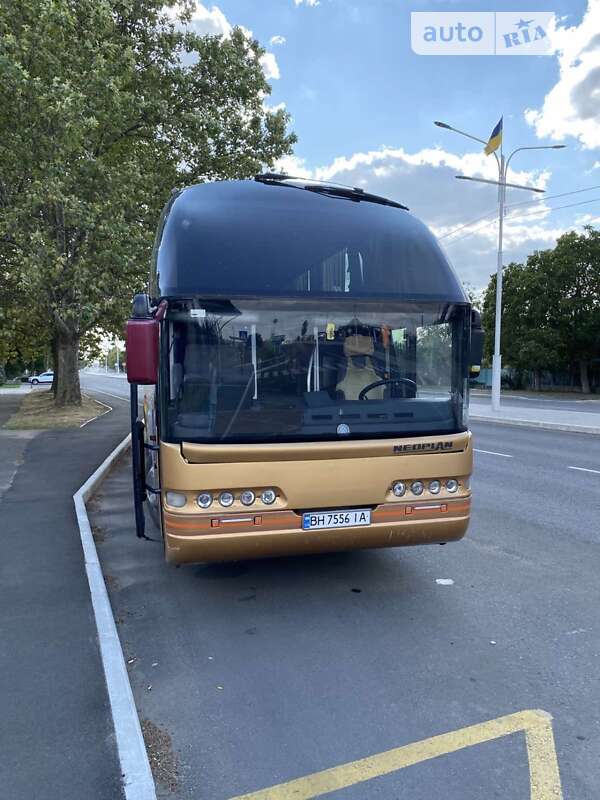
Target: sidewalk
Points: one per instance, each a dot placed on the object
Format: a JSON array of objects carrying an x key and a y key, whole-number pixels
[
  {"x": 480, "y": 410},
  {"x": 56, "y": 735}
]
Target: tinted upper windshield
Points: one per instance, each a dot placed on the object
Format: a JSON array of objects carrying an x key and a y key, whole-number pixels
[
  {"x": 251, "y": 239},
  {"x": 265, "y": 371}
]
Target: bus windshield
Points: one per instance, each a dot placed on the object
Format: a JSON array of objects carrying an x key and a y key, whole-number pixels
[{"x": 257, "y": 370}]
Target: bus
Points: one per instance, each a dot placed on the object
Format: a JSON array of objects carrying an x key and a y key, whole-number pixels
[{"x": 306, "y": 350}]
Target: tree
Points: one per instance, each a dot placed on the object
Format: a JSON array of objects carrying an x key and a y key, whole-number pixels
[
  {"x": 550, "y": 308},
  {"x": 575, "y": 270},
  {"x": 23, "y": 335},
  {"x": 104, "y": 108}
]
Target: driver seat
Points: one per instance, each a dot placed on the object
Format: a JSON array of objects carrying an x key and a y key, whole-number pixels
[{"x": 359, "y": 370}]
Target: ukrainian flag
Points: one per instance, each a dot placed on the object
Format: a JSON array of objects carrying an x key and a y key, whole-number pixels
[{"x": 495, "y": 139}]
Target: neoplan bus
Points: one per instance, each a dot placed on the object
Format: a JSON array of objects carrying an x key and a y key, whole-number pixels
[{"x": 307, "y": 350}]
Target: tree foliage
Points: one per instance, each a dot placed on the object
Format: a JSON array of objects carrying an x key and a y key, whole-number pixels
[
  {"x": 105, "y": 106},
  {"x": 550, "y": 308}
]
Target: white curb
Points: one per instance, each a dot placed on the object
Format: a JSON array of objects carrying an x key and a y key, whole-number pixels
[
  {"x": 137, "y": 778},
  {"x": 529, "y": 423}
]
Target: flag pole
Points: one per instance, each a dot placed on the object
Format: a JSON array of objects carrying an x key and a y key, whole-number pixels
[{"x": 497, "y": 357}]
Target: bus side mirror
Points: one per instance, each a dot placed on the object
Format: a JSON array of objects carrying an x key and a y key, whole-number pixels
[
  {"x": 477, "y": 338},
  {"x": 142, "y": 344}
]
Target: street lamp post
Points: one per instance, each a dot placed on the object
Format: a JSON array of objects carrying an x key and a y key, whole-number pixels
[{"x": 502, "y": 164}]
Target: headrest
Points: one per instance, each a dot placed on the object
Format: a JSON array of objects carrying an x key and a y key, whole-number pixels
[{"x": 358, "y": 346}]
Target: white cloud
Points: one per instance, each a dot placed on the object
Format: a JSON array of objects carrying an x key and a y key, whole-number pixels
[
  {"x": 270, "y": 66},
  {"x": 213, "y": 21},
  {"x": 210, "y": 21},
  {"x": 275, "y": 40},
  {"x": 312, "y": 3},
  {"x": 277, "y": 107},
  {"x": 293, "y": 165},
  {"x": 596, "y": 165},
  {"x": 572, "y": 106},
  {"x": 424, "y": 180}
]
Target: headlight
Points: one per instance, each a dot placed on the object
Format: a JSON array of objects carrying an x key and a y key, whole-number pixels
[
  {"x": 417, "y": 487},
  {"x": 399, "y": 488},
  {"x": 247, "y": 497},
  {"x": 434, "y": 487},
  {"x": 204, "y": 499},
  {"x": 226, "y": 499},
  {"x": 268, "y": 497},
  {"x": 452, "y": 485},
  {"x": 176, "y": 499}
]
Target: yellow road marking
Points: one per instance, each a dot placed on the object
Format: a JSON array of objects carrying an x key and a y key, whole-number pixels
[{"x": 536, "y": 724}]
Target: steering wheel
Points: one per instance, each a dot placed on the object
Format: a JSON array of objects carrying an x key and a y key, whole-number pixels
[{"x": 386, "y": 382}]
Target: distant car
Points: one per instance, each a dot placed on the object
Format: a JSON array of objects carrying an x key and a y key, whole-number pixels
[{"x": 45, "y": 377}]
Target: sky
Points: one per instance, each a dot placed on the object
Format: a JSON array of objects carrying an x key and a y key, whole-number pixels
[{"x": 362, "y": 104}]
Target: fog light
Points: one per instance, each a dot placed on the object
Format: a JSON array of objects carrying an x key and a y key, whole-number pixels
[
  {"x": 226, "y": 499},
  {"x": 399, "y": 488},
  {"x": 268, "y": 497},
  {"x": 434, "y": 487},
  {"x": 176, "y": 499},
  {"x": 247, "y": 497},
  {"x": 417, "y": 487},
  {"x": 452, "y": 485},
  {"x": 204, "y": 499}
]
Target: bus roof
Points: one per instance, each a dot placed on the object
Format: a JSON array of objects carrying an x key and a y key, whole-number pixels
[{"x": 287, "y": 238}]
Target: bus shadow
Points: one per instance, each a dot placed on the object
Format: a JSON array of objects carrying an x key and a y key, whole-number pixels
[{"x": 354, "y": 571}]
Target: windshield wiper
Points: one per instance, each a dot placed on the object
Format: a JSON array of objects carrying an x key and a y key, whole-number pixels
[{"x": 329, "y": 189}]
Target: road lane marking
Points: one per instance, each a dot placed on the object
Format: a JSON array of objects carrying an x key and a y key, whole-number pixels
[
  {"x": 116, "y": 396},
  {"x": 101, "y": 391},
  {"x": 491, "y": 453},
  {"x": 107, "y": 407},
  {"x": 536, "y": 724},
  {"x": 585, "y": 469}
]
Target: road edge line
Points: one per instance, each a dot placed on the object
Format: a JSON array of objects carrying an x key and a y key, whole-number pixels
[
  {"x": 547, "y": 426},
  {"x": 136, "y": 774},
  {"x": 91, "y": 419}
]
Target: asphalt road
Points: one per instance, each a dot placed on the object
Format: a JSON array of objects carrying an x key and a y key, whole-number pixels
[
  {"x": 105, "y": 385},
  {"x": 262, "y": 672}
]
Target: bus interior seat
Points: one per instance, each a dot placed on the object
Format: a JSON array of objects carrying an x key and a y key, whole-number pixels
[{"x": 357, "y": 370}]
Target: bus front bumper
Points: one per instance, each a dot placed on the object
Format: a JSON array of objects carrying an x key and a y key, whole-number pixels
[{"x": 233, "y": 537}]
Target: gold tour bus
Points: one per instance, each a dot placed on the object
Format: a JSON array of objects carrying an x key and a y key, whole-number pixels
[{"x": 306, "y": 351}]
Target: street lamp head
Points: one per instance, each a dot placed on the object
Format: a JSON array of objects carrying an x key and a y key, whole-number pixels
[
  {"x": 558, "y": 146},
  {"x": 442, "y": 125}
]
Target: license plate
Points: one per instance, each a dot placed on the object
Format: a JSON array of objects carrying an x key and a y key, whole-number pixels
[{"x": 315, "y": 520}]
